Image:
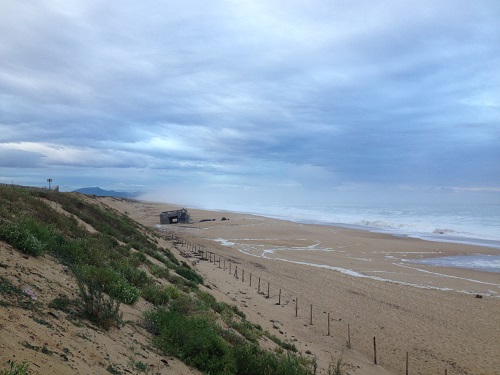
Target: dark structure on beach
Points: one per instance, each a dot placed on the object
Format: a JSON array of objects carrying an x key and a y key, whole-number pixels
[{"x": 175, "y": 216}]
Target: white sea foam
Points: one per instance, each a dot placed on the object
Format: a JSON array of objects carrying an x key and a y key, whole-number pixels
[
  {"x": 224, "y": 242},
  {"x": 488, "y": 263},
  {"x": 263, "y": 251},
  {"x": 447, "y": 276}
]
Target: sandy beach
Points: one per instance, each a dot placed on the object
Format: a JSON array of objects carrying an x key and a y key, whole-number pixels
[{"x": 365, "y": 283}]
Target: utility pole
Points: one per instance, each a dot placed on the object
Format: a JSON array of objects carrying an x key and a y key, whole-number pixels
[{"x": 49, "y": 180}]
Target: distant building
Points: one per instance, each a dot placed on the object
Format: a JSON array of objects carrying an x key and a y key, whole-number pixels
[{"x": 175, "y": 216}]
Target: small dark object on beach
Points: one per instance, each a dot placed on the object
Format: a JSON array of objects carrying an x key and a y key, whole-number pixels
[
  {"x": 479, "y": 296},
  {"x": 224, "y": 218}
]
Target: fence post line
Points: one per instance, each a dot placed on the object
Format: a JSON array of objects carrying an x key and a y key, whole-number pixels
[
  {"x": 250, "y": 279},
  {"x": 242, "y": 275},
  {"x": 374, "y": 350},
  {"x": 236, "y": 272},
  {"x": 219, "y": 261},
  {"x": 229, "y": 267},
  {"x": 224, "y": 264}
]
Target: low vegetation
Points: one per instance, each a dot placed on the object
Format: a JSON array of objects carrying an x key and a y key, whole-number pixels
[
  {"x": 121, "y": 262},
  {"x": 15, "y": 369}
]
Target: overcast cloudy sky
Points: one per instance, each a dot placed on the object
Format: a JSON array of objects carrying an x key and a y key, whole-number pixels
[{"x": 289, "y": 100}]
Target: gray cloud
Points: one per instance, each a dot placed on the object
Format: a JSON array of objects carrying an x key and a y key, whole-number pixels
[{"x": 231, "y": 93}]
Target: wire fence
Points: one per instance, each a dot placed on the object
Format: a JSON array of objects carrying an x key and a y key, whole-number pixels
[{"x": 320, "y": 317}]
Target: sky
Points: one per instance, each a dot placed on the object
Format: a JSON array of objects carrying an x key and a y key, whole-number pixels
[{"x": 216, "y": 102}]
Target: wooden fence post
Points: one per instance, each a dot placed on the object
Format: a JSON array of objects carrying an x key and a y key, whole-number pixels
[
  {"x": 267, "y": 289},
  {"x": 311, "y": 316},
  {"x": 374, "y": 350},
  {"x": 296, "y": 306},
  {"x": 328, "y": 334},
  {"x": 348, "y": 336},
  {"x": 250, "y": 279},
  {"x": 406, "y": 363},
  {"x": 258, "y": 289},
  {"x": 243, "y": 276},
  {"x": 279, "y": 298}
]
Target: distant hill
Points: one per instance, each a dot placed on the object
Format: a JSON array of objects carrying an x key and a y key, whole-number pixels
[{"x": 97, "y": 191}]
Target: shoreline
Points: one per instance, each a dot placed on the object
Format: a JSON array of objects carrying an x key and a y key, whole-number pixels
[
  {"x": 446, "y": 249},
  {"x": 432, "y": 237},
  {"x": 401, "y": 221}
]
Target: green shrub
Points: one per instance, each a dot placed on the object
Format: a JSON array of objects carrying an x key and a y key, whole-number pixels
[
  {"x": 155, "y": 254},
  {"x": 187, "y": 305},
  {"x": 159, "y": 271},
  {"x": 285, "y": 345},
  {"x": 189, "y": 274},
  {"x": 134, "y": 276},
  {"x": 252, "y": 360},
  {"x": 27, "y": 235},
  {"x": 247, "y": 330},
  {"x": 210, "y": 300},
  {"x": 193, "y": 339},
  {"x": 183, "y": 284},
  {"x": 237, "y": 311},
  {"x": 97, "y": 307},
  {"x": 15, "y": 369},
  {"x": 61, "y": 303},
  {"x": 169, "y": 255},
  {"x": 155, "y": 294},
  {"x": 110, "y": 281},
  {"x": 137, "y": 258},
  {"x": 173, "y": 292},
  {"x": 124, "y": 292}
]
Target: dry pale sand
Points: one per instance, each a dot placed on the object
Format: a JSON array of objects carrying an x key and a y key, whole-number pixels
[{"x": 431, "y": 313}]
